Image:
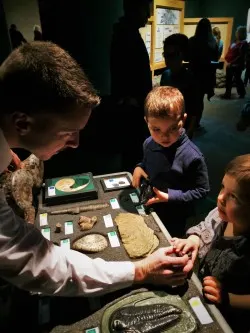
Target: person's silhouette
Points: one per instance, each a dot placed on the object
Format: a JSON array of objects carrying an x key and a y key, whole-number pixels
[
  {"x": 37, "y": 33},
  {"x": 131, "y": 78},
  {"x": 16, "y": 36}
]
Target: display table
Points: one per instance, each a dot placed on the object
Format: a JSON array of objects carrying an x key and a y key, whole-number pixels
[{"x": 93, "y": 308}]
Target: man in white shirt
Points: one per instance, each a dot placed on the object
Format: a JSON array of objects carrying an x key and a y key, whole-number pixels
[{"x": 45, "y": 100}]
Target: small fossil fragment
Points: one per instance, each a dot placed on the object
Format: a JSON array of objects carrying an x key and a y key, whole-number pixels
[
  {"x": 87, "y": 223},
  {"x": 79, "y": 209},
  {"x": 58, "y": 228},
  {"x": 90, "y": 243}
]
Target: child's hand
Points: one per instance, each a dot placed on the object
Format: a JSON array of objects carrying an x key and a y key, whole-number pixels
[
  {"x": 212, "y": 289},
  {"x": 138, "y": 173},
  {"x": 183, "y": 246},
  {"x": 160, "y": 197}
]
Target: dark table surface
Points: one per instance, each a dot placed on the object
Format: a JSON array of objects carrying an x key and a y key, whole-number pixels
[{"x": 79, "y": 314}]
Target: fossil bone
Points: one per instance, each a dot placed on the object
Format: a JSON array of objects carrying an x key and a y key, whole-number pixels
[{"x": 79, "y": 209}]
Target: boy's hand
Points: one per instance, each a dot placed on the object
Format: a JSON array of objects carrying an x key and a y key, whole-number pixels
[
  {"x": 138, "y": 173},
  {"x": 160, "y": 197},
  {"x": 183, "y": 246},
  {"x": 212, "y": 289}
]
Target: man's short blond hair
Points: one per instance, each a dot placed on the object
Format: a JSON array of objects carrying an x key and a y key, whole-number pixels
[{"x": 164, "y": 102}]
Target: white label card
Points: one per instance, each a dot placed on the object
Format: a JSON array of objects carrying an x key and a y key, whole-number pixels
[
  {"x": 140, "y": 209},
  {"x": 51, "y": 191},
  {"x": 113, "y": 239},
  {"x": 108, "y": 221},
  {"x": 116, "y": 182},
  {"x": 68, "y": 227},
  {"x": 134, "y": 197},
  {"x": 93, "y": 330},
  {"x": 46, "y": 233},
  {"x": 43, "y": 219},
  {"x": 65, "y": 243},
  {"x": 200, "y": 311},
  {"x": 114, "y": 203}
]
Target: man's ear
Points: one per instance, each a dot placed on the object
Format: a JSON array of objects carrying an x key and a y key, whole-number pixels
[
  {"x": 184, "y": 118},
  {"x": 22, "y": 123},
  {"x": 145, "y": 118}
]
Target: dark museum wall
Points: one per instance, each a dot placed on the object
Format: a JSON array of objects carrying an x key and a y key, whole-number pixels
[
  {"x": 223, "y": 8},
  {"x": 237, "y": 9},
  {"x": 4, "y": 36},
  {"x": 24, "y": 14},
  {"x": 88, "y": 35},
  {"x": 192, "y": 8}
]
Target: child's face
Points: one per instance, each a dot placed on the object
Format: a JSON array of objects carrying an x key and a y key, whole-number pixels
[
  {"x": 230, "y": 205},
  {"x": 165, "y": 131}
]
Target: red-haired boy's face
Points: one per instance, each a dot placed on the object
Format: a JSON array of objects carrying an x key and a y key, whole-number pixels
[{"x": 165, "y": 131}]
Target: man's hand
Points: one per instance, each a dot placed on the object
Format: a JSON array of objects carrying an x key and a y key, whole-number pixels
[
  {"x": 183, "y": 246},
  {"x": 138, "y": 173},
  {"x": 159, "y": 268},
  {"x": 160, "y": 197},
  {"x": 15, "y": 163},
  {"x": 212, "y": 289}
]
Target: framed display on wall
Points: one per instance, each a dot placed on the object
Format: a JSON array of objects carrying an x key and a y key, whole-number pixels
[
  {"x": 167, "y": 18},
  {"x": 225, "y": 25}
]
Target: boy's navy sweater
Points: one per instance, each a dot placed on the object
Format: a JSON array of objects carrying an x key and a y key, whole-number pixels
[{"x": 180, "y": 170}]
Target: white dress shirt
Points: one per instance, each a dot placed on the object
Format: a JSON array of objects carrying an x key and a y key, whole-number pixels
[{"x": 33, "y": 263}]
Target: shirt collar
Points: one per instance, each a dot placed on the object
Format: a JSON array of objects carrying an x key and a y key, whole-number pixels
[{"x": 5, "y": 153}]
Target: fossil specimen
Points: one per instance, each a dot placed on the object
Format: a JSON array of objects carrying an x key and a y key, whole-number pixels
[
  {"x": 144, "y": 319},
  {"x": 90, "y": 243},
  {"x": 19, "y": 185},
  {"x": 58, "y": 228},
  {"x": 146, "y": 191},
  {"x": 79, "y": 209},
  {"x": 138, "y": 239},
  {"x": 87, "y": 223},
  {"x": 67, "y": 185}
]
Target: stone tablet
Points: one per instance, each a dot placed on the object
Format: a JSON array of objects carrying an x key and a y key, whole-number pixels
[{"x": 138, "y": 239}]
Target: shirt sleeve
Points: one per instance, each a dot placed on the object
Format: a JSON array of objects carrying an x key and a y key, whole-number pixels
[
  {"x": 198, "y": 176},
  {"x": 142, "y": 164},
  {"x": 31, "y": 262},
  {"x": 205, "y": 230}
]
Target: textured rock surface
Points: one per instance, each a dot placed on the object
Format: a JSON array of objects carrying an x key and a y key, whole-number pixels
[
  {"x": 138, "y": 239},
  {"x": 90, "y": 243},
  {"x": 87, "y": 223},
  {"x": 19, "y": 185}
]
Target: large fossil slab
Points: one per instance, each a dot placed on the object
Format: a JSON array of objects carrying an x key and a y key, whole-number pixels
[
  {"x": 148, "y": 312},
  {"x": 138, "y": 239},
  {"x": 146, "y": 318}
]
